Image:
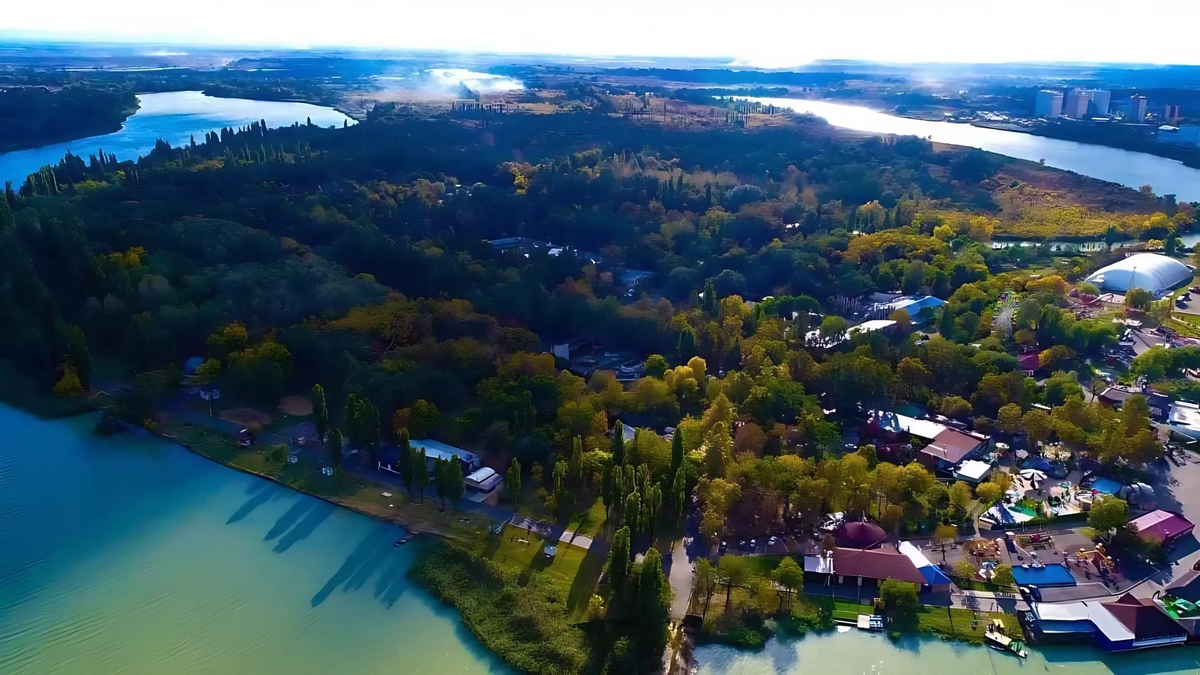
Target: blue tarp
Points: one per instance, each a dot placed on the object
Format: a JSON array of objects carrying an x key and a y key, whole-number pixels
[
  {"x": 933, "y": 575},
  {"x": 1107, "y": 486}
]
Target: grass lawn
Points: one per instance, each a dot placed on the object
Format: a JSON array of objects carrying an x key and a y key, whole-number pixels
[
  {"x": 588, "y": 523},
  {"x": 959, "y": 624}
]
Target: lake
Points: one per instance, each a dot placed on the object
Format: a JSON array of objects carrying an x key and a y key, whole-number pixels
[
  {"x": 1133, "y": 169},
  {"x": 132, "y": 555},
  {"x": 174, "y": 117},
  {"x": 858, "y": 653}
]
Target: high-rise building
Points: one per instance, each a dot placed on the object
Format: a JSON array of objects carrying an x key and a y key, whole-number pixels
[
  {"x": 1137, "y": 109},
  {"x": 1076, "y": 104},
  {"x": 1171, "y": 112},
  {"x": 1048, "y": 103},
  {"x": 1098, "y": 106}
]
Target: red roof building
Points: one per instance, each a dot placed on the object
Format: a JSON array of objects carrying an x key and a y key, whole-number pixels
[
  {"x": 877, "y": 564},
  {"x": 1162, "y": 526}
]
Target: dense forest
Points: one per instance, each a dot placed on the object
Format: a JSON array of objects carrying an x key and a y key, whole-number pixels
[
  {"x": 359, "y": 259},
  {"x": 34, "y": 116}
]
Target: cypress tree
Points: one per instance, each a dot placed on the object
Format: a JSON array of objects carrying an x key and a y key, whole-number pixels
[
  {"x": 335, "y": 447},
  {"x": 618, "y": 443},
  {"x": 320, "y": 411}
]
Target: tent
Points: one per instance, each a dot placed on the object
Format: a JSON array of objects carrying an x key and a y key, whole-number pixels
[
  {"x": 859, "y": 535},
  {"x": 1038, "y": 463},
  {"x": 934, "y": 576}
]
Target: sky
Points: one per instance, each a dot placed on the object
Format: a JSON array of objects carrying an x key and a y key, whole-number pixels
[{"x": 762, "y": 33}]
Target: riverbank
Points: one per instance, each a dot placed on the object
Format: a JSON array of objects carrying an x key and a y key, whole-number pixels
[{"x": 1186, "y": 156}]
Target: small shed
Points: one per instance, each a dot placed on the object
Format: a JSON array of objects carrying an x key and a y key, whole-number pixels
[{"x": 973, "y": 471}]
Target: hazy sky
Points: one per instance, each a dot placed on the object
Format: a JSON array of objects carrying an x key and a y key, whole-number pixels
[{"x": 770, "y": 33}]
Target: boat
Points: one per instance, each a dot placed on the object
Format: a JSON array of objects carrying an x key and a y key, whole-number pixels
[
  {"x": 994, "y": 635},
  {"x": 870, "y": 622},
  {"x": 400, "y": 542}
]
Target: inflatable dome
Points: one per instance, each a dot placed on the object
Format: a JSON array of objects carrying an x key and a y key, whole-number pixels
[
  {"x": 1153, "y": 272},
  {"x": 859, "y": 535}
]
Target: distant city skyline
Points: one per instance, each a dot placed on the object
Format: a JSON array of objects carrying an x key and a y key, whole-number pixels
[{"x": 768, "y": 33}]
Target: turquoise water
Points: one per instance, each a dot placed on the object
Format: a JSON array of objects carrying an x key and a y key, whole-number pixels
[
  {"x": 858, "y": 653},
  {"x": 173, "y": 117},
  {"x": 131, "y": 555}
]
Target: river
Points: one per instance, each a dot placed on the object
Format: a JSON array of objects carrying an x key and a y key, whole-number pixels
[
  {"x": 1133, "y": 169},
  {"x": 174, "y": 117},
  {"x": 132, "y": 555}
]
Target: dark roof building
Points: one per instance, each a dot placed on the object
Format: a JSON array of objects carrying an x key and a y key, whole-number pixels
[
  {"x": 1151, "y": 627},
  {"x": 859, "y": 535}
]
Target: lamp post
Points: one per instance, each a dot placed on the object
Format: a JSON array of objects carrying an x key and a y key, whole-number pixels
[{"x": 209, "y": 396}]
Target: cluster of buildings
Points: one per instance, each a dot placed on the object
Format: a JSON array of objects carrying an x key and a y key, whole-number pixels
[
  {"x": 481, "y": 481},
  {"x": 1082, "y": 104}
]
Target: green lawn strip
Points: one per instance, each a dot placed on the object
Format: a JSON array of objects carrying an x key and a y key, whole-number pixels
[{"x": 960, "y": 624}]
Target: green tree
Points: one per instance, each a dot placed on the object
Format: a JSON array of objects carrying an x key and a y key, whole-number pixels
[
  {"x": 656, "y": 366},
  {"x": 448, "y": 480},
  {"x": 618, "y": 443},
  {"x": 686, "y": 348},
  {"x": 790, "y": 575},
  {"x": 654, "y": 604},
  {"x": 989, "y": 493},
  {"x": 732, "y": 571},
  {"x": 335, "y": 447},
  {"x": 964, "y": 569},
  {"x": 899, "y": 597},
  {"x": 79, "y": 356},
  {"x": 1037, "y": 425},
  {"x": 960, "y": 495},
  {"x": 1108, "y": 513},
  {"x": 1008, "y": 419},
  {"x": 353, "y": 419},
  {"x": 512, "y": 480},
  {"x": 1003, "y": 576},
  {"x": 618, "y": 558},
  {"x": 420, "y": 471},
  {"x": 704, "y": 577},
  {"x": 1138, "y": 298},
  {"x": 320, "y": 411},
  {"x": 369, "y": 429},
  {"x": 946, "y": 326},
  {"x": 676, "y": 452},
  {"x": 404, "y": 464}
]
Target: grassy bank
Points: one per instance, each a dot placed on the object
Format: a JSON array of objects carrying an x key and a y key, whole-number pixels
[
  {"x": 749, "y": 623},
  {"x": 354, "y": 493},
  {"x": 522, "y": 618}
]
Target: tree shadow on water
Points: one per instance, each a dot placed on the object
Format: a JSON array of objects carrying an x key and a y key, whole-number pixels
[
  {"x": 257, "y": 499},
  {"x": 361, "y": 563},
  {"x": 392, "y": 581},
  {"x": 289, "y": 518},
  {"x": 307, "y": 525}
]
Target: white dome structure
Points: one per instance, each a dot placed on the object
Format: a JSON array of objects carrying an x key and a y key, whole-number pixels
[{"x": 1153, "y": 272}]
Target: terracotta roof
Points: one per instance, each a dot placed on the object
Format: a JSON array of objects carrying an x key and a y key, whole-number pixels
[
  {"x": 1143, "y": 618},
  {"x": 952, "y": 445},
  {"x": 884, "y": 563}
]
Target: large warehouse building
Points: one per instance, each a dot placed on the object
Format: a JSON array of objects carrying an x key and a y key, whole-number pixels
[{"x": 1153, "y": 272}]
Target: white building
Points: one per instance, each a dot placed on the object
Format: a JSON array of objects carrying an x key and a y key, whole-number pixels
[
  {"x": 1098, "y": 105},
  {"x": 1137, "y": 109},
  {"x": 1076, "y": 104},
  {"x": 1048, "y": 103}
]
